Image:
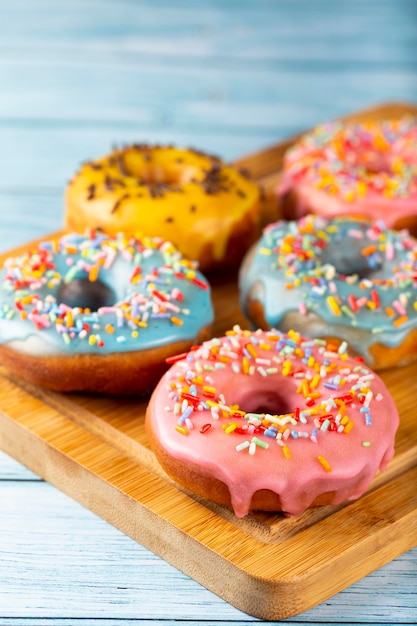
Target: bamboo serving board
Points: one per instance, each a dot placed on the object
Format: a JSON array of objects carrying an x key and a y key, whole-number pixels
[{"x": 95, "y": 450}]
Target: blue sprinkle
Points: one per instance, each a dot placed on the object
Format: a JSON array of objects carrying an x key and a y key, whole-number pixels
[
  {"x": 329, "y": 385},
  {"x": 185, "y": 415}
]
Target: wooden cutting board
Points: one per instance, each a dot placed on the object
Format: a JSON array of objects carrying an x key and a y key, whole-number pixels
[{"x": 95, "y": 450}]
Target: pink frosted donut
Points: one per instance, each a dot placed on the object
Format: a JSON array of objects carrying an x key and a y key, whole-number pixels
[
  {"x": 367, "y": 169},
  {"x": 271, "y": 421}
]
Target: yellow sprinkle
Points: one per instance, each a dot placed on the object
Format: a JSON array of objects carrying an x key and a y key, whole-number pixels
[
  {"x": 266, "y": 346},
  {"x": 207, "y": 389},
  {"x": 181, "y": 429},
  {"x": 135, "y": 334},
  {"x": 245, "y": 365},
  {"x": 315, "y": 381},
  {"x": 304, "y": 388},
  {"x": 286, "y": 452},
  {"x": 69, "y": 319},
  {"x": 361, "y": 188},
  {"x": 324, "y": 463},
  {"x": 92, "y": 340},
  {"x": 332, "y": 302},
  {"x": 109, "y": 328},
  {"x": 176, "y": 321},
  {"x": 230, "y": 428}
]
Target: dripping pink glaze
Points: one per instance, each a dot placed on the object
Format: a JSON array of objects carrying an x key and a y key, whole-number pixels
[
  {"x": 299, "y": 479},
  {"x": 367, "y": 169}
]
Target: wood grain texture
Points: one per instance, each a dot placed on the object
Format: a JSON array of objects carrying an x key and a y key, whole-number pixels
[
  {"x": 229, "y": 76},
  {"x": 373, "y": 527},
  {"x": 95, "y": 449}
]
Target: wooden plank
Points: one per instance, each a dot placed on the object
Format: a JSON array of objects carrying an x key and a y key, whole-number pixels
[
  {"x": 43, "y": 533},
  {"x": 240, "y": 30},
  {"x": 95, "y": 449},
  {"x": 249, "y": 99}
]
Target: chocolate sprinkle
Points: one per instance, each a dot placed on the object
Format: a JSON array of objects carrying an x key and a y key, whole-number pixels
[
  {"x": 91, "y": 192},
  {"x": 119, "y": 202},
  {"x": 121, "y": 165},
  {"x": 245, "y": 172},
  {"x": 108, "y": 183},
  {"x": 213, "y": 181}
]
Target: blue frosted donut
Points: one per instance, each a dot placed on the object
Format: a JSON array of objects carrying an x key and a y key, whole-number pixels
[
  {"x": 343, "y": 279},
  {"x": 100, "y": 313}
]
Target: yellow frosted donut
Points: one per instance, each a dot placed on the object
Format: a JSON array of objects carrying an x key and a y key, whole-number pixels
[{"x": 208, "y": 209}]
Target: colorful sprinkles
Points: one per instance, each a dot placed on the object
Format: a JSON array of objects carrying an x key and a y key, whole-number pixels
[
  {"x": 152, "y": 276},
  {"x": 384, "y": 299},
  {"x": 333, "y": 391},
  {"x": 356, "y": 160}
]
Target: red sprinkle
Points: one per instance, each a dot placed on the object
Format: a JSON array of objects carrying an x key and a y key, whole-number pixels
[
  {"x": 195, "y": 400},
  {"x": 199, "y": 283},
  {"x": 375, "y": 297},
  {"x": 352, "y": 302},
  {"x": 176, "y": 357},
  {"x": 159, "y": 295}
]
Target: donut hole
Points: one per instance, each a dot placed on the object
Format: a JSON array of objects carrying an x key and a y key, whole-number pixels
[
  {"x": 264, "y": 401},
  {"x": 370, "y": 162},
  {"x": 85, "y": 294},
  {"x": 348, "y": 257},
  {"x": 161, "y": 171}
]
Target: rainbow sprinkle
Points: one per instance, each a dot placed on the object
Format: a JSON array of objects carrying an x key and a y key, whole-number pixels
[
  {"x": 385, "y": 299},
  {"x": 152, "y": 281},
  {"x": 356, "y": 160},
  {"x": 333, "y": 392}
]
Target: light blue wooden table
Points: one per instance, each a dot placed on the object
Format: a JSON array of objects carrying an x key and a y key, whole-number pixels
[{"x": 226, "y": 76}]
